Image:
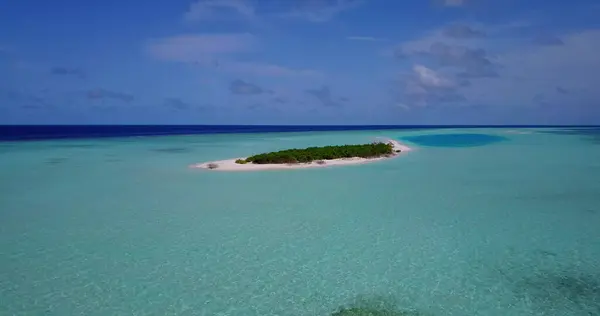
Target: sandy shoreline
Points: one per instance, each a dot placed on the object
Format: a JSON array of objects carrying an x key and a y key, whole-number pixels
[{"x": 230, "y": 165}]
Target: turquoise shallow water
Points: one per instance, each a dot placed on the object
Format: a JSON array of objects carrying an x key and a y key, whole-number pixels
[{"x": 122, "y": 227}]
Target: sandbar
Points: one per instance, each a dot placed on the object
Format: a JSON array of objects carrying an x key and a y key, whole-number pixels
[{"x": 230, "y": 165}]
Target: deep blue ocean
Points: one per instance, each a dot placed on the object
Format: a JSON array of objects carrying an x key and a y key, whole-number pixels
[{"x": 40, "y": 132}]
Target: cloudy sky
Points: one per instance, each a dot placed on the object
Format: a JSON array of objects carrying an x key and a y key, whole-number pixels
[{"x": 300, "y": 62}]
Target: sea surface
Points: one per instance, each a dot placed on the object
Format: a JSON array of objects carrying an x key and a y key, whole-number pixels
[{"x": 478, "y": 221}]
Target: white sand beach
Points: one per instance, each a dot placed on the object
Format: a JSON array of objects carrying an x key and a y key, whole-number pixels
[{"x": 230, "y": 165}]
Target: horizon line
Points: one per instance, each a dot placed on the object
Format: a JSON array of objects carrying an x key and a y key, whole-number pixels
[{"x": 317, "y": 125}]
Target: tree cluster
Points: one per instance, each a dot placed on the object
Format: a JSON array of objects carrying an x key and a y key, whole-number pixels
[{"x": 321, "y": 153}]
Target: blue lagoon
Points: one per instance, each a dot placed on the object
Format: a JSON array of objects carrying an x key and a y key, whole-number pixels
[{"x": 482, "y": 221}]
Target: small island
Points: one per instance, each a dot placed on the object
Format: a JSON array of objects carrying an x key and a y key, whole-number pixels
[
  {"x": 311, "y": 157},
  {"x": 311, "y": 154}
]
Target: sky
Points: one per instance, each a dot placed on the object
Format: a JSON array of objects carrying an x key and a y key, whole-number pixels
[{"x": 300, "y": 62}]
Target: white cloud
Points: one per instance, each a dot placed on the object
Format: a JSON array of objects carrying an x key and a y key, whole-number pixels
[
  {"x": 538, "y": 76},
  {"x": 424, "y": 43},
  {"x": 321, "y": 10},
  {"x": 219, "y": 52},
  {"x": 429, "y": 78},
  {"x": 529, "y": 75},
  {"x": 518, "y": 72},
  {"x": 463, "y": 55},
  {"x": 308, "y": 10},
  {"x": 425, "y": 86},
  {"x": 206, "y": 10}
]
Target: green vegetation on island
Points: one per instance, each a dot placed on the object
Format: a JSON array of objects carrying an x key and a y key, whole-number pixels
[{"x": 310, "y": 154}]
